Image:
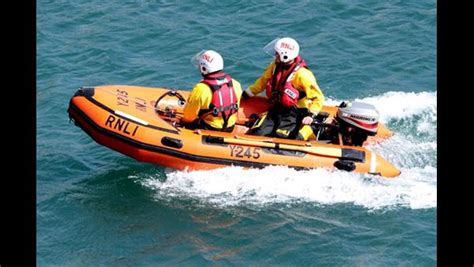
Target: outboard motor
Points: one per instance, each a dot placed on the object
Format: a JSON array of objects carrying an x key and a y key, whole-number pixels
[{"x": 357, "y": 120}]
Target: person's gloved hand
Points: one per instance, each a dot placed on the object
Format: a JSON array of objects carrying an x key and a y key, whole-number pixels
[{"x": 307, "y": 120}]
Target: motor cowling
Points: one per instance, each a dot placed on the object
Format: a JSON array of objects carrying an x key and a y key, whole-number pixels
[{"x": 357, "y": 120}]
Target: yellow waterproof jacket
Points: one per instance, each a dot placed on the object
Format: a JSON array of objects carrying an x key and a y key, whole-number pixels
[
  {"x": 303, "y": 80},
  {"x": 200, "y": 98}
]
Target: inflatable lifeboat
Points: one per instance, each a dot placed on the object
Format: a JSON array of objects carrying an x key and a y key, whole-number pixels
[{"x": 144, "y": 123}]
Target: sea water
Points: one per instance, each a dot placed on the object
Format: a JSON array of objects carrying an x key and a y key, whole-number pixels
[{"x": 97, "y": 207}]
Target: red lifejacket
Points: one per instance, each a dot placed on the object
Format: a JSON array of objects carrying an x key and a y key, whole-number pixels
[
  {"x": 224, "y": 99},
  {"x": 279, "y": 87}
]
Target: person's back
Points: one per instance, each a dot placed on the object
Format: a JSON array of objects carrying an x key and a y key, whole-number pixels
[
  {"x": 214, "y": 101},
  {"x": 293, "y": 90}
]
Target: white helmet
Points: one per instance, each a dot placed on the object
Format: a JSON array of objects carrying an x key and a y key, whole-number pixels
[
  {"x": 286, "y": 49},
  {"x": 208, "y": 61}
]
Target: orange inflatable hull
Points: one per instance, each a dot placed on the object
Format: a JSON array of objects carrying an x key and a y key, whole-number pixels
[{"x": 125, "y": 119}]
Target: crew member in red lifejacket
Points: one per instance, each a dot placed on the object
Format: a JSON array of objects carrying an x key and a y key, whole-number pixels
[
  {"x": 294, "y": 94},
  {"x": 214, "y": 101}
]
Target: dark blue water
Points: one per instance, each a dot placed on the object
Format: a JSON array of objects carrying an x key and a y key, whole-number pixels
[{"x": 96, "y": 207}]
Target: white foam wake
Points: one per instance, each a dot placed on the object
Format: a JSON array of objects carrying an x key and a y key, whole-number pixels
[
  {"x": 231, "y": 186},
  {"x": 398, "y": 105}
]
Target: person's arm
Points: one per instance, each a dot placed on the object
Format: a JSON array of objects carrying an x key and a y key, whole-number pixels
[
  {"x": 314, "y": 98},
  {"x": 260, "y": 84},
  {"x": 237, "y": 90},
  {"x": 194, "y": 103}
]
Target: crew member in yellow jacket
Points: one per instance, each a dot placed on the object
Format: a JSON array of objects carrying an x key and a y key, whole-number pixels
[
  {"x": 214, "y": 101},
  {"x": 295, "y": 96}
]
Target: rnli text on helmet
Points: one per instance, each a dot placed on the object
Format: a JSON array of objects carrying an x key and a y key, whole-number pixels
[
  {"x": 208, "y": 58},
  {"x": 287, "y": 46}
]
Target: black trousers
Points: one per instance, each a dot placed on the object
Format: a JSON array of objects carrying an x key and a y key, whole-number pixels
[{"x": 279, "y": 122}]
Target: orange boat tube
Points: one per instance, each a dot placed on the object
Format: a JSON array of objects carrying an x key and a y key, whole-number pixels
[{"x": 143, "y": 123}]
